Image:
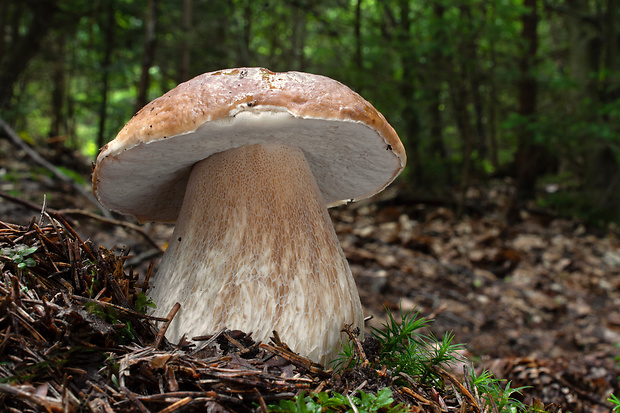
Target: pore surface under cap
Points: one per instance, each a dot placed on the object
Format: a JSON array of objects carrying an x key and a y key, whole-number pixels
[{"x": 352, "y": 151}]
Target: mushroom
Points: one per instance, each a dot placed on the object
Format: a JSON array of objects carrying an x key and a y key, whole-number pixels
[{"x": 246, "y": 161}]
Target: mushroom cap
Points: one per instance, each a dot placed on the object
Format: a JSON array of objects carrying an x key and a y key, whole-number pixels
[{"x": 352, "y": 151}]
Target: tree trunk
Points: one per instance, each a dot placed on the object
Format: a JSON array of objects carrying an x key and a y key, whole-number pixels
[
  {"x": 582, "y": 39},
  {"x": 58, "y": 92},
  {"x": 298, "y": 39},
  {"x": 186, "y": 24},
  {"x": 437, "y": 147},
  {"x": 4, "y": 11},
  {"x": 245, "y": 37},
  {"x": 19, "y": 49},
  {"x": 412, "y": 126},
  {"x": 105, "y": 64},
  {"x": 530, "y": 156},
  {"x": 434, "y": 88},
  {"x": 460, "y": 102},
  {"x": 612, "y": 65},
  {"x": 481, "y": 139},
  {"x": 599, "y": 50},
  {"x": 461, "y": 79},
  {"x": 409, "y": 114},
  {"x": 358, "y": 35},
  {"x": 493, "y": 104},
  {"x": 150, "y": 42}
]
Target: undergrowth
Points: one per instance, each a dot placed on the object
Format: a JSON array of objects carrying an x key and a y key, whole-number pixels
[
  {"x": 324, "y": 401},
  {"x": 613, "y": 398},
  {"x": 407, "y": 353}
]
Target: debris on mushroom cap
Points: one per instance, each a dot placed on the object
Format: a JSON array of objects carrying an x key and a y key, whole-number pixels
[{"x": 353, "y": 152}]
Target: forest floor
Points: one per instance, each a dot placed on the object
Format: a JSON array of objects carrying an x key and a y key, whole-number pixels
[{"x": 536, "y": 302}]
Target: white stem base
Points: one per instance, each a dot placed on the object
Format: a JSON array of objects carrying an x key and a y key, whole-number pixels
[{"x": 254, "y": 249}]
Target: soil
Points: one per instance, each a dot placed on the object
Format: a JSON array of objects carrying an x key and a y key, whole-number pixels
[{"x": 536, "y": 301}]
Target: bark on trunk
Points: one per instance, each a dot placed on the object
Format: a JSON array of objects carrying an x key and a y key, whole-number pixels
[
  {"x": 19, "y": 49},
  {"x": 530, "y": 155},
  {"x": 184, "y": 72},
  {"x": 150, "y": 41},
  {"x": 105, "y": 64},
  {"x": 58, "y": 121}
]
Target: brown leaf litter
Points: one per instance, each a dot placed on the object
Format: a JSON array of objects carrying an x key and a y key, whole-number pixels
[
  {"x": 75, "y": 336},
  {"x": 537, "y": 302}
]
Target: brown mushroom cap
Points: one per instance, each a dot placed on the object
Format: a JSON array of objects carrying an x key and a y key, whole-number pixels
[{"x": 352, "y": 151}]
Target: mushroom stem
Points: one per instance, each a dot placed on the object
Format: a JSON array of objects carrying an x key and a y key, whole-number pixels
[{"x": 254, "y": 249}]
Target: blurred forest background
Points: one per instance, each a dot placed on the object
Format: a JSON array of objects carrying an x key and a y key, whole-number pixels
[{"x": 522, "y": 93}]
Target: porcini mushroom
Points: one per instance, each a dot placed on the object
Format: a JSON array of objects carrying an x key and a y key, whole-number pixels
[{"x": 246, "y": 161}]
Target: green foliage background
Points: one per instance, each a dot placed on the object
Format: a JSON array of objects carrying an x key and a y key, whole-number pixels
[{"x": 448, "y": 74}]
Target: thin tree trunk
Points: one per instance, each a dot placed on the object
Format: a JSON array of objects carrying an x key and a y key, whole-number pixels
[
  {"x": 582, "y": 40},
  {"x": 58, "y": 92},
  {"x": 303, "y": 35},
  {"x": 461, "y": 98},
  {"x": 105, "y": 64},
  {"x": 246, "y": 32},
  {"x": 412, "y": 125},
  {"x": 409, "y": 112},
  {"x": 358, "y": 34},
  {"x": 434, "y": 86},
  {"x": 4, "y": 11},
  {"x": 612, "y": 64},
  {"x": 460, "y": 102},
  {"x": 185, "y": 42},
  {"x": 493, "y": 104},
  {"x": 611, "y": 26},
  {"x": 296, "y": 55},
  {"x": 529, "y": 154},
  {"x": 437, "y": 147},
  {"x": 481, "y": 142},
  {"x": 21, "y": 48},
  {"x": 150, "y": 41}
]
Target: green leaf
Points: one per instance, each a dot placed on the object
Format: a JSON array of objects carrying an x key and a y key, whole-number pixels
[
  {"x": 384, "y": 398},
  {"x": 142, "y": 302},
  {"x": 95, "y": 309},
  {"x": 614, "y": 399}
]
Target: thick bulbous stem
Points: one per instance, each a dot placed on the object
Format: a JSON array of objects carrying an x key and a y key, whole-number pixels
[{"x": 254, "y": 249}]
